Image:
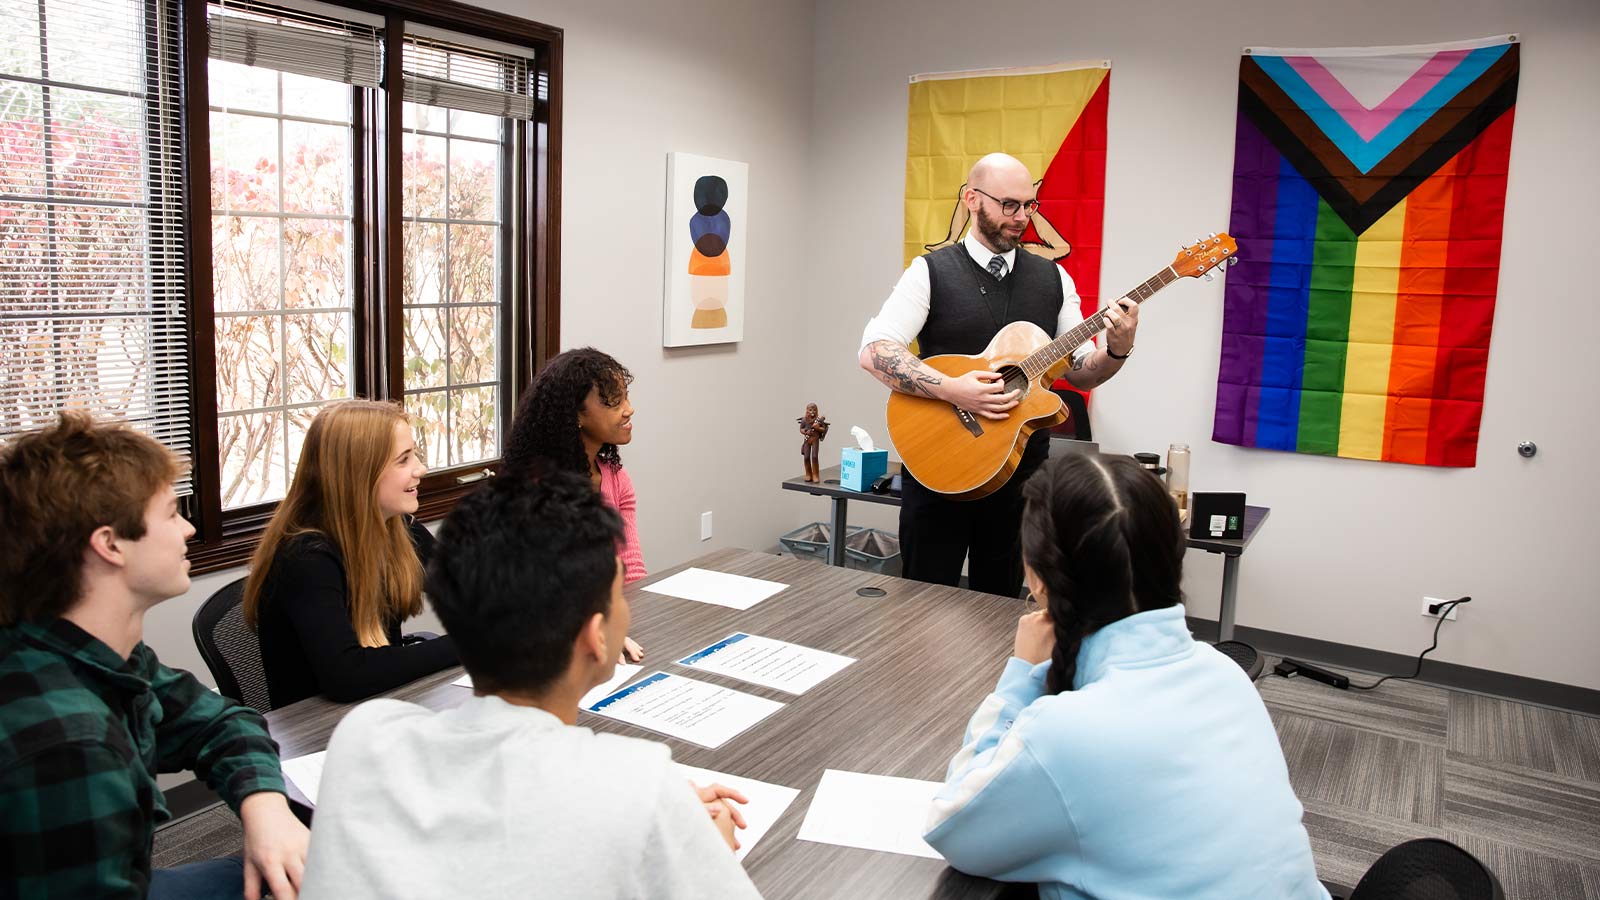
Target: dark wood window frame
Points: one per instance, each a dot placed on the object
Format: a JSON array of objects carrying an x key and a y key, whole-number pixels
[{"x": 530, "y": 320}]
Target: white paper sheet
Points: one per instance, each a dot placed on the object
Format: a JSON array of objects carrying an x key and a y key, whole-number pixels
[
  {"x": 873, "y": 812},
  {"x": 766, "y": 806},
  {"x": 720, "y": 588},
  {"x": 624, "y": 672},
  {"x": 770, "y": 663},
  {"x": 679, "y": 707},
  {"x": 306, "y": 773}
]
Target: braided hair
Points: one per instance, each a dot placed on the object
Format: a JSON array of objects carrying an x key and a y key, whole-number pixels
[
  {"x": 546, "y": 424},
  {"x": 1102, "y": 536}
]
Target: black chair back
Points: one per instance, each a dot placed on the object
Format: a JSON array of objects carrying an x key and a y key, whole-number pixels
[
  {"x": 1077, "y": 424},
  {"x": 1428, "y": 869},
  {"x": 1245, "y": 655},
  {"x": 230, "y": 648}
]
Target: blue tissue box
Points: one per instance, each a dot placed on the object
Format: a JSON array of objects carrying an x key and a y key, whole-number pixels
[{"x": 859, "y": 468}]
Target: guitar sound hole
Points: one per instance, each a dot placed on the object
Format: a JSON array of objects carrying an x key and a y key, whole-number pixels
[{"x": 1016, "y": 380}]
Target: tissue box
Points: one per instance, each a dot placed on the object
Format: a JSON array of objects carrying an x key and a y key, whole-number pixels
[{"x": 858, "y": 468}]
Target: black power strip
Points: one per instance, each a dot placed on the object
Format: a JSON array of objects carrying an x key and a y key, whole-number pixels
[{"x": 1290, "y": 667}]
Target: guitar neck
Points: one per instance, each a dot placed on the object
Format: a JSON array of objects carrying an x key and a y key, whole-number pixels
[{"x": 1054, "y": 352}]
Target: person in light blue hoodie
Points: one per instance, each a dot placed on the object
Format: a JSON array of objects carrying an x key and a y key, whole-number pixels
[{"x": 1118, "y": 757}]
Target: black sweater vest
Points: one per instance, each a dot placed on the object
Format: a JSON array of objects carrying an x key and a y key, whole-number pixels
[{"x": 967, "y": 306}]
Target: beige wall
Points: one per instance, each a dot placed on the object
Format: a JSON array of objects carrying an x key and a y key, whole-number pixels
[
  {"x": 1351, "y": 547},
  {"x": 814, "y": 100}
]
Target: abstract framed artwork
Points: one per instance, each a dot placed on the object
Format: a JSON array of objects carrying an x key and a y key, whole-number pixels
[{"x": 706, "y": 245}]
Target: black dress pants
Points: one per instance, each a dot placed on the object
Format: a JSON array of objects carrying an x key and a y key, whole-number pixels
[{"x": 938, "y": 534}]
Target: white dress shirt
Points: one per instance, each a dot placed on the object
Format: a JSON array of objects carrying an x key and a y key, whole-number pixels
[{"x": 906, "y": 311}]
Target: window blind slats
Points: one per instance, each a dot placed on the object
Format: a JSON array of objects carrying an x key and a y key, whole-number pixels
[
  {"x": 92, "y": 283},
  {"x": 295, "y": 42},
  {"x": 470, "y": 79}
]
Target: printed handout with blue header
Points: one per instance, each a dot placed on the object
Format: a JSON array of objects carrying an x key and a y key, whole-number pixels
[
  {"x": 771, "y": 663},
  {"x": 679, "y": 707}
]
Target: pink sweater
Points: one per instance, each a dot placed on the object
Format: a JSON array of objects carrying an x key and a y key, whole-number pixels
[{"x": 617, "y": 488}]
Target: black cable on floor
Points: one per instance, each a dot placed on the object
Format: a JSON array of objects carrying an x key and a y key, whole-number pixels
[{"x": 1444, "y": 609}]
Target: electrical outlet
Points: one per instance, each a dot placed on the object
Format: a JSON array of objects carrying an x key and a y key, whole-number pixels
[
  {"x": 1430, "y": 601},
  {"x": 705, "y": 526}
]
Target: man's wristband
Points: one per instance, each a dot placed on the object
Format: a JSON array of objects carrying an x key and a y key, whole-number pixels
[{"x": 1115, "y": 356}]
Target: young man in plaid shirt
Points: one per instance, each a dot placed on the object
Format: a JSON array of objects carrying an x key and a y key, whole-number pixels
[{"x": 92, "y": 539}]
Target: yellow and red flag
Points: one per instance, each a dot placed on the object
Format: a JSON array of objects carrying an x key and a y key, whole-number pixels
[{"x": 1051, "y": 118}]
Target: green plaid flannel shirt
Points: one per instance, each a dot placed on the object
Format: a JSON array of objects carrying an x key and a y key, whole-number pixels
[{"x": 82, "y": 736}]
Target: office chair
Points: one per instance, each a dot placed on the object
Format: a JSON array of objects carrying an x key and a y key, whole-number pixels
[
  {"x": 1243, "y": 654},
  {"x": 229, "y": 648},
  {"x": 1077, "y": 424},
  {"x": 1425, "y": 869}
]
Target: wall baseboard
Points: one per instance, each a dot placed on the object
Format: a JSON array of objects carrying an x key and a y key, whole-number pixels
[{"x": 1443, "y": 674}]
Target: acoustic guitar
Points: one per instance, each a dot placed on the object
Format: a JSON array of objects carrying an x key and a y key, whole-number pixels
[{"x": 955, "y": 452}]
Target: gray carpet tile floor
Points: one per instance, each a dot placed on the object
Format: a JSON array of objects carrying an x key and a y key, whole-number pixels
[{"x": 1515, "y": 784}]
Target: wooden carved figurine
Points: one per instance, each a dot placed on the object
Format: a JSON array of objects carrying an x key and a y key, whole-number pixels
[{"x": 813, "y": 428}]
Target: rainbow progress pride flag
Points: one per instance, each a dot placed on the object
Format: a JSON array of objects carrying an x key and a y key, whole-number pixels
[{"x": 1368, "y": 193}]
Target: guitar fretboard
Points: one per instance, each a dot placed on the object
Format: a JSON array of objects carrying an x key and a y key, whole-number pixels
[{"x": 1054, "y": 352}]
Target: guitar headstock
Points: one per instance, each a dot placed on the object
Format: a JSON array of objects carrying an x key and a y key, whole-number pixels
[{"x": 1204, "y": 255}]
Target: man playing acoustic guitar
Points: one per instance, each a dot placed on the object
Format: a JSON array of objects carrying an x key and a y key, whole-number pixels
[{"x": 955, "y": 300}]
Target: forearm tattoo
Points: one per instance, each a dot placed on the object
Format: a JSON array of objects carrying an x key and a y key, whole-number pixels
[
  {"x": 1089, "y": 371},
  {"x": 898, "y": 368}
]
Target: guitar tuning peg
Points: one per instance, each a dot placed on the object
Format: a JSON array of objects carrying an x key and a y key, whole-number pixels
[
  {"x": 1208, "y": 276},
  {"x": 1233, "y": 261}
]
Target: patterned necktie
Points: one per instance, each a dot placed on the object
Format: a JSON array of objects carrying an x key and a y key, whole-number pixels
[{"x": 997, "y": 266}]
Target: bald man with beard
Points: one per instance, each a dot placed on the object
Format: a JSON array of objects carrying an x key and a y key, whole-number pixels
[{"x": 955, "y": 300}]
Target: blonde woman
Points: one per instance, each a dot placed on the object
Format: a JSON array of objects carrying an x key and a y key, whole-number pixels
[{"x": 340, "y": 565}]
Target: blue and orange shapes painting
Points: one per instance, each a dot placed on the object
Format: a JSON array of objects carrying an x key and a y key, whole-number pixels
[{"x": 709, "y": 263}]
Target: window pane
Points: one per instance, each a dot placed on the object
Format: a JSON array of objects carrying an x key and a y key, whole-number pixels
[
  {"x": 244, "y": 163},
  {"x": 318, "y": 256},
  {"x": 474, "y": 429},
  {"x": 423, "y": 173},
  {"x": 472, "y": 344},
  {"x": 428, "y": 412},
  {"x": 21, "y": 138},
  {"x": 423, "y": 118},
  {"x": 474, "y": 185},
  {"x": 471, "y": 124},
  {"x": 424, "y": 263},
  {"x": 252, "y": 453},
  {"x": 249, "y": 354},
  {"x": 234, "y": 86},
  {"x": 317, "y": 352},
  {"x": 472, "y": 263},
  {"x": 315, "y": 98},
  {"x": 19, "y": 39},
  {"x": 425, "y": 347},
  {"x": 244, "y": 262},
  {"x": 97, "y": 146},
  {"x": 101, "y": 56},
  {"x": 316, "y": 168}
]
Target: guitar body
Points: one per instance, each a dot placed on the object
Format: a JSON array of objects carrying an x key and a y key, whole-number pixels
[{"x": 966, "y": 456}]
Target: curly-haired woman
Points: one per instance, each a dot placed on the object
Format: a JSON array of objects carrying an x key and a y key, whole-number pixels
[{"x": 573, "y": 418}]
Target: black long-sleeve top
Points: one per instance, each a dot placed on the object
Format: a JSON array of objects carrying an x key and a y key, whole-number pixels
[{"x": 309, "y": 646}]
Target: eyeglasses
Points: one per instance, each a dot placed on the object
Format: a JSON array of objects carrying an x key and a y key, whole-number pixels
[{"x": 1010, "y": 207}]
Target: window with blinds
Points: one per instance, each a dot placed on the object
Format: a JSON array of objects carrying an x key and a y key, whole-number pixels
[
  {"x": 92, "y": 262},
  {"x": 282, "y": 87},
  {"x": 463, "y": 102}
]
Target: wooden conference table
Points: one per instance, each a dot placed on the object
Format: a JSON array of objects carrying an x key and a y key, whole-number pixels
[
  {"x": 1231, "y": 549},
  {"x": 926, "y": 656}
]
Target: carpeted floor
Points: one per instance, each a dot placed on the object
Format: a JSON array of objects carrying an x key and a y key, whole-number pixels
[{"x": 1517, "y": 785}]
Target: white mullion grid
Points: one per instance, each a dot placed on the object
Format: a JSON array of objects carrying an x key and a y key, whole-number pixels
[
  {"x": 283, "y": 321},
  {"x": 284, "y": 408},
  {"x": 449, "y": 374},
  {"x": 445, "y": 219},
  {"x": 51, "y": 200},
  {"x": 280, "y": 116},
  {"x": 459, "y": 387},
  {"x": 284, "y": 311},
  {"x": 258, "y": 214}
]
